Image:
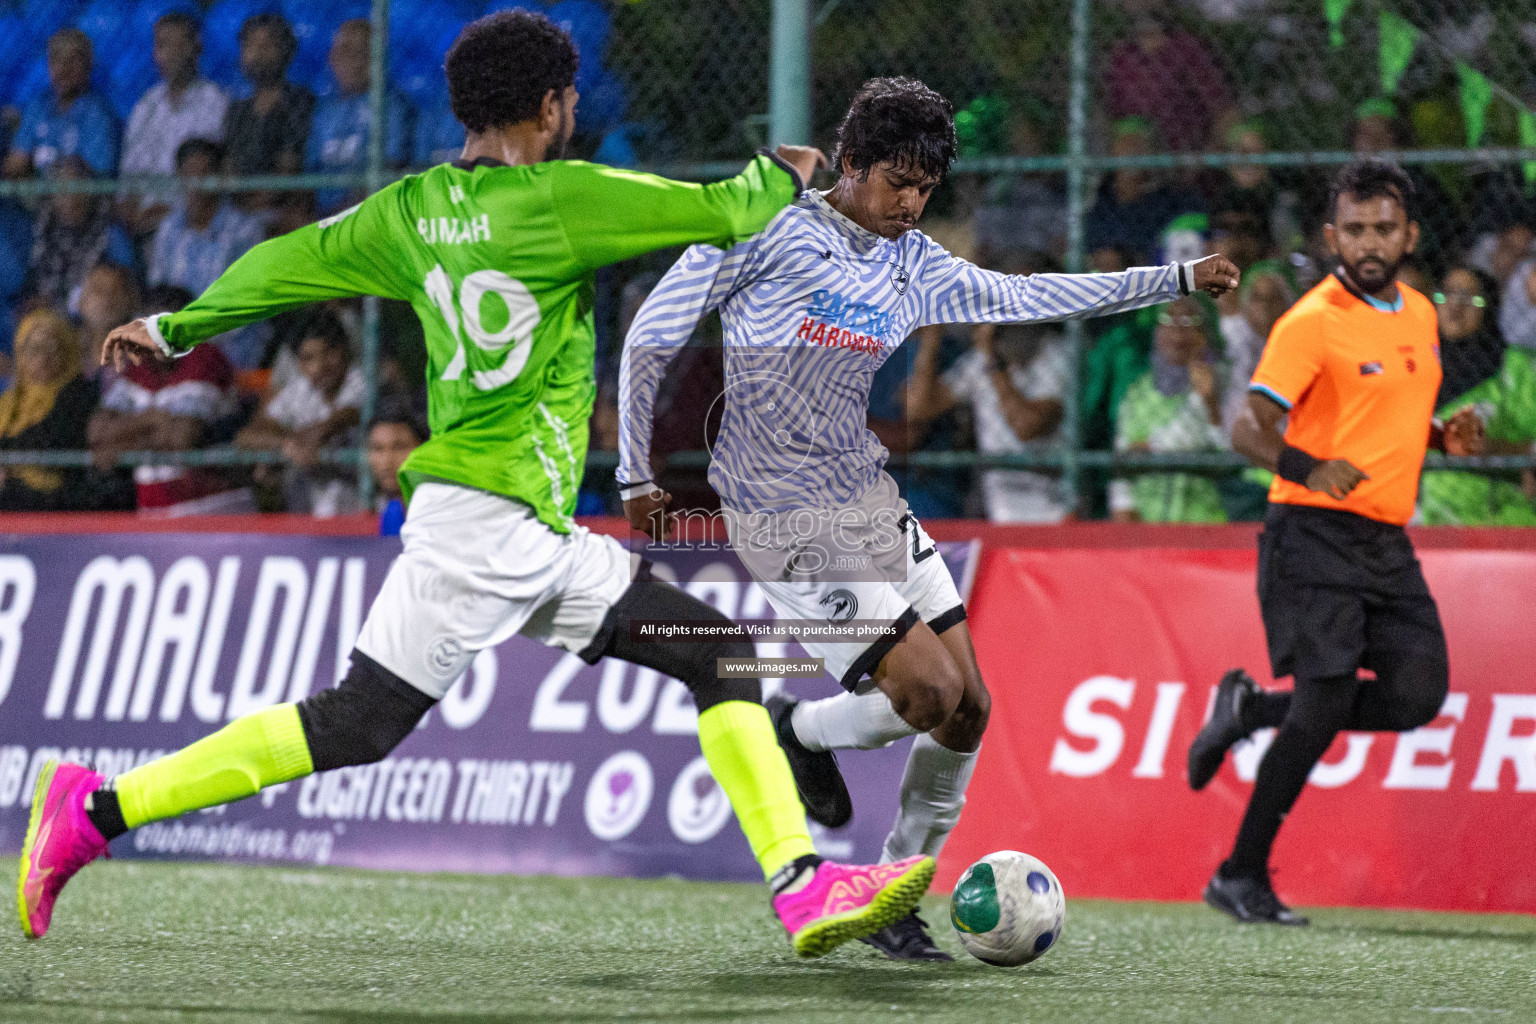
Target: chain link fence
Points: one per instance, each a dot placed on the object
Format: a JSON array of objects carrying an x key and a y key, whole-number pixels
[{"x": 1182, "y": 126}]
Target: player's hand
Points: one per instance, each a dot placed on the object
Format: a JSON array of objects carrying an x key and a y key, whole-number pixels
[
  {"x": 1335, "y": 478},
  {"x": 648, "y": 514},
  {"x": 1216, "y": 275},
  {"x": 128, "y": 345},
  {"x": 804, "y": 159},
  {"x": 1465, "y": 433}
]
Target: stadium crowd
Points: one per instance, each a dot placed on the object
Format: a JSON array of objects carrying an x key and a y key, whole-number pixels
[{"x": 176, "y": 87}]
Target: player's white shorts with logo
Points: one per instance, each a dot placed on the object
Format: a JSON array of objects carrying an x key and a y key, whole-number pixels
[
  {"x": 910, "y": 581},
  {"x": 478, "y": 568}
]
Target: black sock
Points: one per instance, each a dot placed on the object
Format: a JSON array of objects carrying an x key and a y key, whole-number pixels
[
  {"x": 790, "y": 873},
  {"x": 105, "y": 813},
  {"x": 1318, "y": 710},
  {"x": 1265, "y": 710}
]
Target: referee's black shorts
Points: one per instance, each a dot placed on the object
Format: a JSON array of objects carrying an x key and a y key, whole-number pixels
[{"x": 1339, "y": 591}]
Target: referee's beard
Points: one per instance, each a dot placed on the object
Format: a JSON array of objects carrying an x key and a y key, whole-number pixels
[{"x": 1373, "y": 273}]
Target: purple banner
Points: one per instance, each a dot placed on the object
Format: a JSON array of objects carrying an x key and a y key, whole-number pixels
[{"x": 115, "y": 649}]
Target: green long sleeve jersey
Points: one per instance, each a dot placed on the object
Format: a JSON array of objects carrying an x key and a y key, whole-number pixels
[{"x": 497, "y": 262}]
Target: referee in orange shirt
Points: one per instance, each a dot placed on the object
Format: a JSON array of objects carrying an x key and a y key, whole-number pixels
[{"x": 1355, "y": 365}]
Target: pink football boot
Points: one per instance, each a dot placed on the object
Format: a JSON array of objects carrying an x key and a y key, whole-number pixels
[
  {"x": 843, "y": 902},
  {"x": 60, "y": 841}
]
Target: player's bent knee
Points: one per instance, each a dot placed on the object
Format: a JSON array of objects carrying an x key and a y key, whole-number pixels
[
  {"x": 362, "y": 718},
  {"x": 972, "y": 714},
  {"x": 925, "y": 695}
]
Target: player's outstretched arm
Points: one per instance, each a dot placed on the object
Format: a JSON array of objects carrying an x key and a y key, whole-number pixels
[
  {"x": 612, "y": 215},
  {"x": 697, "y": 283},
  {"x": 356, "y": 252},
  {"x": 958, "y": 291}
]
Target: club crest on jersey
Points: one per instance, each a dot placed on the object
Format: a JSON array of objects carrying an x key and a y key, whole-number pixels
[
  {"x": 900, "y": 277},
  {"x": 1370, "y": 369},
  {"x": 841, "y": 605}
]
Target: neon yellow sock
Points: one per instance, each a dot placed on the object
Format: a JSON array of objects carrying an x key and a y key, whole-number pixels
[
  {"x": 261, "y": 749},
  {"x": 745, "y": 759}
]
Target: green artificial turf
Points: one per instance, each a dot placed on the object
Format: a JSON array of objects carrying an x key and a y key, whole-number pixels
[{"x": 169, "y": 942}]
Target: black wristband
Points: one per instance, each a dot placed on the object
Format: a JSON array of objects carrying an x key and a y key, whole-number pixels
[{"x": 1295, "y": 465}]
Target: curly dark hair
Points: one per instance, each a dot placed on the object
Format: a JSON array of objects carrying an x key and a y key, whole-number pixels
[
  {"x": 1371, "y": 179},
  {"x": 900, "y": 120},
  {"x": 503, "y": 65}
]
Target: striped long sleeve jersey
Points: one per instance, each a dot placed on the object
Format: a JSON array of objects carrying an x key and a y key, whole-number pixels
[{"x": 811, "y": 307}]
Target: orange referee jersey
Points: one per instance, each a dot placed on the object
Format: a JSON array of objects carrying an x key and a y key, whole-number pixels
[{"x": 1360, "y": 384}]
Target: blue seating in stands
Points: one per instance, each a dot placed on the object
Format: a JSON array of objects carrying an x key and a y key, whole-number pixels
[
  {"x": 421, "y": 31},
  {"x": 507, "y": 5},
  {"x": 45, "y": 17},
  {"x": 141, "y": 23},
  {"x": 416, "y": 28},
  {"x": 32, "y": 82},
  {"x": 15, "y": 51},
  {"x": 104, "y": 21},
  {"x": 588, "y": 23}
]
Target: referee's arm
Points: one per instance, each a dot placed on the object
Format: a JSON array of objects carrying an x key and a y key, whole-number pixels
[{"x": 1256, "y": 436}]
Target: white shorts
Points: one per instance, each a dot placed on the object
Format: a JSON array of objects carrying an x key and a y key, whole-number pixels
[
  {"x": 478, "y": 568},
  {"x": 915, "y": 585}
]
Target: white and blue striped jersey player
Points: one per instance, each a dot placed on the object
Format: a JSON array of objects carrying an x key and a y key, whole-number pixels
[{"x": 811, "y": 307}]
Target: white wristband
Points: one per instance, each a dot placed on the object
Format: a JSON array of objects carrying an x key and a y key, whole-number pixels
[
  {"x": 1187, "y": 276},
  {"x": 647, "y": 487},
  {"x": 152, "y": 325}
]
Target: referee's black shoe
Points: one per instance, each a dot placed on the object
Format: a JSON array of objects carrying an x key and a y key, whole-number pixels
[
  {"x": 907, "y": 939},
  {"x": 1223, "y": 730},
  {"x": 1250, "y": 900},
  {"x": 817, "y": 779}
]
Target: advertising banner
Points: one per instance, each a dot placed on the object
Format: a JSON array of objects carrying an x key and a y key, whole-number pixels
[
  {"x": 117, "y": 648},
  {"x": 1102, "y": 664}
]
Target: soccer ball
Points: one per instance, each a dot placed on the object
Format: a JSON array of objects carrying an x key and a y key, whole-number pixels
[{"x": 1008, "y": 909}]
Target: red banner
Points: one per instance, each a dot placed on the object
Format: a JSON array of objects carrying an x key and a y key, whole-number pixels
[{"x": 1102, "y": 663}]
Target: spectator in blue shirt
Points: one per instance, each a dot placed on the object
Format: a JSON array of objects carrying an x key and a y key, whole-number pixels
[
  {"x": 70, "y": 120},
  {"x": 202, "y": 235},
  {"x": 394, "y": 433},
  {"x": 338, "y": 142}
]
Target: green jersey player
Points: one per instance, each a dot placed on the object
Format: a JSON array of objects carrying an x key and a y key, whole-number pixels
[{"x": 495, "y": 252}]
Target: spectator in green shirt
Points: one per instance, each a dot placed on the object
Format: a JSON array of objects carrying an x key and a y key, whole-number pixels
[
  {"x": 1174, "y": 407},
  {"x": 1498, "y": 380}
]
